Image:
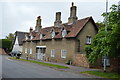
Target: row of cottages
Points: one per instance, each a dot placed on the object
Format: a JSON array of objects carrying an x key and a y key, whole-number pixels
[{"x": 62, "y": 42}]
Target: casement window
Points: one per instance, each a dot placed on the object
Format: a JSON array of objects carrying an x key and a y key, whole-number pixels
[
  {"x": 26, "y": 37},
  {"x": 41, "y": 36},
  {"x": 53, "y": 53},
  {"x": 25, "y": 50},
  {"x": 30, "y": 50},
  {"x": 64, "y": 33},
  {"x": 63, "y": 53},
  {"x": 53, "y": 34},
  {"x": 88, "y": 40},
  {"x": 31, "y": 37}
]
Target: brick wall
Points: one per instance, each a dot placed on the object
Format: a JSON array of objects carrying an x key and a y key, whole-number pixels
[{"x": 80, "y": 60}]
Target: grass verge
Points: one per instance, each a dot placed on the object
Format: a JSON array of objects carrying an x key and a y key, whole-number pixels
[
  {"x": 42, "y": 63},
  {"x": 109, "y": 75}
]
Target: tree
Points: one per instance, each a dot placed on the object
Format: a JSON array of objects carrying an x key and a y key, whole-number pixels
[
  {"x": 106, "y": 43},
  {"x": 10, "y": 36}
]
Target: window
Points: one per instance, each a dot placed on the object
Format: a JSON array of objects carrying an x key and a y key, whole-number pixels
[
  {"x": 25, "y": 50},
  {"x": 30, "y": 50},
  {"x": 63, "y": 53},
  {"x": 53, "y": 34},
  {"x": 78, "y": 48},
  {"x": 88, "y": 40},
  {"x": 26, "y": 37},
  {"x": 64, "y": 33},
  {"x": 31, "y": 37},
  {"x": 41, "y": 36},
  {"x": 53, "y": 53}
]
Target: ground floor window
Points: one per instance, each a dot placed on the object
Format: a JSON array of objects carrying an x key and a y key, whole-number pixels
[
  {"x": 30, "y": 50},
  {"x": 52, "y": 52},
  {"x": 25, "y": 50},
  {"x": 63, "y": 53}
]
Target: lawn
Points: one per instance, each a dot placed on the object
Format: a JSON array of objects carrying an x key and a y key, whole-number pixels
[
  {"x": 103, "y": 74},
  {"x": 41, "y": 63}
]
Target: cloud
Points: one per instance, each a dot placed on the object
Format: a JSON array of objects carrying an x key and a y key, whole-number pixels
[{"x": 21, "y": 16}]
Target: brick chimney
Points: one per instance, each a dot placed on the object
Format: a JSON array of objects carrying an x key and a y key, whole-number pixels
[
  {"x": 57, "y": 19},
  {"x": 38, "y": 23},
  {"x": 73, "y": 16}
]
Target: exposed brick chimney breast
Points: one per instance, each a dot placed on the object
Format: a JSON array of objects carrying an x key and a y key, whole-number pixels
[
  {"x": 58, "y": 21},
  {"x": 73, "y": 16}
]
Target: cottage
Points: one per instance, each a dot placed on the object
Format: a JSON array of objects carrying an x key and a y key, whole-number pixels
[
  {"x": 62, "y": 42},
  {"x": 18, "y": 44}
]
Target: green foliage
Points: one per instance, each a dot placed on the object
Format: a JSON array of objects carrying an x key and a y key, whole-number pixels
[
  {"x": 10, "y": 36},
  {"x": 41, "y": 63},
  {"x": 100, "y": 24},
  {"x": 6, "y": 44},
  {"x": 106, "y": 42},
  {"x": 103, "y": 74}
]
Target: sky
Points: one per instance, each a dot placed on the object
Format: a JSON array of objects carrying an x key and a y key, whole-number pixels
[{"x": 20, "y": 15}]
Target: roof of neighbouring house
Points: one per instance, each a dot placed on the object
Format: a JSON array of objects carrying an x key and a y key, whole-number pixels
[
  {"x": 72, "y": 28},
  {"x": 20, "y": 35}
]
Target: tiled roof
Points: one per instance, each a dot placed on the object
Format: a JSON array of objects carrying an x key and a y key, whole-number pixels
[
  {"x": 73, "y": 29},
  {"x": 20, "y": 35}
]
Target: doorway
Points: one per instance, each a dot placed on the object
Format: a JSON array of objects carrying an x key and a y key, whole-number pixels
[{"x": 40, "y": 51}]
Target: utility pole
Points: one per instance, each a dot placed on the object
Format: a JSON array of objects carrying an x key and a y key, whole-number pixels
[{"x": 106, "y": 25}]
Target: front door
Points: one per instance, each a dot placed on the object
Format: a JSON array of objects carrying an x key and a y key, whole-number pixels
[{"x": 41, "y": 52}]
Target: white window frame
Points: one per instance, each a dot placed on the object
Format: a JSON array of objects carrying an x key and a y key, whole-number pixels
[
  {"x": 30, "y": 50},
  {"x": 26, "y": 37},
  {"x": 31, "y": 37},
  {"x": 25, "y": 50},
  {"x": 53, "y": 34},
  {"x": 52, "y": 52},
  {"x": 41, "y": 36},
  {"x": 64, "y": 33},
  {"x": 63, "y": 53},
  {"x": 88, "y": 40}
]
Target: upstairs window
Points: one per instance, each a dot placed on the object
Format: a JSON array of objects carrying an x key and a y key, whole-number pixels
[
  {"x": 53, "y": 34},
  {"x": 41, "y": 36},
  {"x": 63, "y": 53},
  {"x": 64, "y": 33},
  {"x": 53, "y": 53},
  {"x": 88, "y": 40},
  {"x": 31, "y": 37},
  {"x": 26, "y": 37}
]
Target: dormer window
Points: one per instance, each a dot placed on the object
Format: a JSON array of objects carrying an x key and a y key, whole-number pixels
[
  {"x": 64, "y": 32},
  {"x": 41, "y": 36},
  {"x": 26, "y": 37},
  {"x": 31, "y": 37},
  {"x": 53, "y": 34}
]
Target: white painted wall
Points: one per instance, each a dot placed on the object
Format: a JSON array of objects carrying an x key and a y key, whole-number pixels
[{"x": 16, "y": 46}]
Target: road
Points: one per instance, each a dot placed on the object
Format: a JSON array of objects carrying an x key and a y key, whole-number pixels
[{"x": 19, "y": 69}]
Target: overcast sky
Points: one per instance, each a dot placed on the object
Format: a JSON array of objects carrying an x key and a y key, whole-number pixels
[{"x": 20, "y": 15}]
